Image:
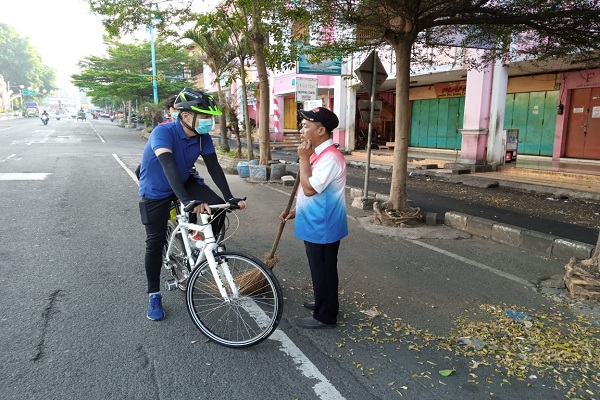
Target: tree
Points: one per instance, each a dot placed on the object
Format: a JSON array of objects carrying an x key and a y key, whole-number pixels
[
  {"x": 240, "y": 42},
  {"x": 20, "y": 62},
  {"x": 265, "y": 21},
  {"x": 538, "y": 29},
  {"x": 123, "y": 74},
  {"x": 266, "y": 24},
  {"x": 218, "y": 53}
]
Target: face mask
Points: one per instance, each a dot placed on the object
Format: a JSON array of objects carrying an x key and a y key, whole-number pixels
[
  {"x": 205, "y": 126},
  {"x": 174, "y": 114}
]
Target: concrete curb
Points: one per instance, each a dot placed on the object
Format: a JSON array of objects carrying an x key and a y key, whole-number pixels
[{"x": 524, "y": 239}]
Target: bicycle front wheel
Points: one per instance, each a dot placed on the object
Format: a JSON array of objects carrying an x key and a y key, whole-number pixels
[{"x": 240, "y": 320}]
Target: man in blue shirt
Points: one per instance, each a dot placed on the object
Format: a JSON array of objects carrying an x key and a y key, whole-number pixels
[
  {"x": 167, "y": 172},
  {"x": 320, "y": 212}
]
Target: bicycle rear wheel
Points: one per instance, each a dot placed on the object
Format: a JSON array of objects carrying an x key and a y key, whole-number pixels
[
  {"x": 240, "y": 321},
  {"x": 178, "y": 265}
]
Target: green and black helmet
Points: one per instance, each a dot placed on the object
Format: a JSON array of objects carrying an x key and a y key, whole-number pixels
[{"x": 196, "y": 101}]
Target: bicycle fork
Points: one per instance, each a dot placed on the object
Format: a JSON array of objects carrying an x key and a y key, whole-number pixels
[{"x": 219, "y": 270}]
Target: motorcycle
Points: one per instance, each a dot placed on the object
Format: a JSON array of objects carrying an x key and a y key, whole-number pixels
[{"x": 45, "y": 119}]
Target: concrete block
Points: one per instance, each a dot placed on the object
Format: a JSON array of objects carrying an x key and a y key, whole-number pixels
[
  {"x": 480, "y": 226},
  {"x": 431, "y": 218},
  {"x": 363, "y": 203},
  {"x": 537, "y": 242},
  {"x": 356, "y": 192},
  {"x": 507, "y": 234},
  {"x": 564, "y": 249},
  {"x": 456, "y": 220},
  {"x": 381, "y": 197},
  {"x": 288, "y": 180},
  {"x": 461, "y": 171}
]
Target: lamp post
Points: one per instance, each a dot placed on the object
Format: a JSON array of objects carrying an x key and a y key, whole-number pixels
[{"x": 154, "y": 80}]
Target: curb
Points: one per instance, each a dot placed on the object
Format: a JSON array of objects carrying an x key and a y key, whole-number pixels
[{"x": 524, "y": 239}]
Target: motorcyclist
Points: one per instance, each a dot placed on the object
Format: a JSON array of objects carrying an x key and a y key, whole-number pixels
[{"x": 45, "y": 117}]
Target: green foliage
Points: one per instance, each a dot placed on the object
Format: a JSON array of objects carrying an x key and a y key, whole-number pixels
[
  {"x": 20, "y": 62},
  {"x": 125, "y": 73}
]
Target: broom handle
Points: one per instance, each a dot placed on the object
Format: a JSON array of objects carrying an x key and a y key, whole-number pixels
[{"x": 286, "y": 212}]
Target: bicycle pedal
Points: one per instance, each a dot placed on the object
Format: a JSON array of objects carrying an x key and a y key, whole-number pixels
[{"x": 171, "y": 284}]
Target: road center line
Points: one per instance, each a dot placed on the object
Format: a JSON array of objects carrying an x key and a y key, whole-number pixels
[
  {"x": 477, "y": 264},
  {"x": 97, "y": 134}
]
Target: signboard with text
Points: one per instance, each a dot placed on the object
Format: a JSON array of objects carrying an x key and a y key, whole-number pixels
[{"x": 306, "y": 89}]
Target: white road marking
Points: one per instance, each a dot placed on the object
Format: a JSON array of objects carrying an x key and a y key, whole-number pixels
[
  {"x": 477, "y": 264},
  {"x": 3, "y": 129},
  {"x": 97, "y": 134},
  {"x": 323, "y": 389},
  {"x": 129, "y": 172},
  {"x": 24, "y": 176},
  {"x": 9, "y": 157}
]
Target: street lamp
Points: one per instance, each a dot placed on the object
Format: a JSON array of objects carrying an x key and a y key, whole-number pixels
[{"x": 154, "y": 80}]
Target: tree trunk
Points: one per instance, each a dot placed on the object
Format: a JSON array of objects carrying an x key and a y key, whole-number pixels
[
  {"x": 258, "y": 45},
  {"x": 249, "y": 147},
  {"x": 222, "y": 119},
  {"x": 402, "y": 123}
]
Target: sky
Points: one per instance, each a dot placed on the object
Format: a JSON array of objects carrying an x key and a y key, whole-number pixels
[{"x": 63, "y": 31}]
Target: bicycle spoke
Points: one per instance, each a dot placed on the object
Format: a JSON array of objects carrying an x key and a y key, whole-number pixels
[{"x": 236, "y": 321}]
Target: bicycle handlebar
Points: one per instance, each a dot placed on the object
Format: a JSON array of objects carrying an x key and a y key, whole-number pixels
[{"x": 226, "y": 206}]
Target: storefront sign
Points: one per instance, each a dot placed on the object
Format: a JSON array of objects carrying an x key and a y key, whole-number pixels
[
  {"x": 326, "y": 67},
  {"x": 450, "y": 89}
]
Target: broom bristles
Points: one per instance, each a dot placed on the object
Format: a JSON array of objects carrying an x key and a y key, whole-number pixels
[{"x": 250, "y": 281}]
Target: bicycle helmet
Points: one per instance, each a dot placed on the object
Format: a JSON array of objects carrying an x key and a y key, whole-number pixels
[{"x": 196, "y": 101}]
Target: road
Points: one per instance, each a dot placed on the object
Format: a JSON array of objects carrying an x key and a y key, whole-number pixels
[{"x": 73, "y": 291}]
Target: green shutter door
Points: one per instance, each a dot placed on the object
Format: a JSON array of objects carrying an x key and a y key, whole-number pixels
[
  {"x": 549, "y": 124},
  {"x": 534, "y": 115},
  {"x": 415, "y": 123},
  {"x": 434, "y": 123}
]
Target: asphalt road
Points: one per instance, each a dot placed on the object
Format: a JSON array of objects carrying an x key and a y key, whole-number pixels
[{"x": 73, "y": 324}]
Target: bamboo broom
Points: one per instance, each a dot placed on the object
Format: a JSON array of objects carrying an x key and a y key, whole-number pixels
[{"x": 252, "y": 281}]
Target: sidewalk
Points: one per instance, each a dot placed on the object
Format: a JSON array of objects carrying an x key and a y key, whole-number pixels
[{"x": 575, "y": 180}]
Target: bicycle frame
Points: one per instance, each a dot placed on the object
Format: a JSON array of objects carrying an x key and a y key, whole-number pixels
[{"x": 207, "y": 254}]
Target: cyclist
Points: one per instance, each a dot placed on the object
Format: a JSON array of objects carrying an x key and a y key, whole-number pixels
[
  {"x": 170, "y": 109},
  {"x": 167, "y": 172}
]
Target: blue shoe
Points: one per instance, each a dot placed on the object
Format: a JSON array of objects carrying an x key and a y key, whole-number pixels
[{"x": 155, "y": 308}]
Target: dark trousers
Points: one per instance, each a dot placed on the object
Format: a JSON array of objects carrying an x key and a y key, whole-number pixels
[
  {"x": 322, "y": 259},
  {"x": 155, "y": 215}
]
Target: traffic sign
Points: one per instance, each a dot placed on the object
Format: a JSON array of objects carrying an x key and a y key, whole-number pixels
[
  {"x": 365, "y": 72},
  {"x": 28, "y": 92},
  {"x": 364, "y": 107}
]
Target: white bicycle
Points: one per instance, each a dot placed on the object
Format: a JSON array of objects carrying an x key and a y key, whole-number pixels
[{"x": 233, "y": 299}]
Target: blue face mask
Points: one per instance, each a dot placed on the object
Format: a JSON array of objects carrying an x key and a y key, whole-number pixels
[
  {"x": 205, "y": 126},
  {"x": 174, "y": 115}
]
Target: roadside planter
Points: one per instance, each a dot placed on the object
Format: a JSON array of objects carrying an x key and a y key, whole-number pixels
[
  {"x": 243, "y": 169},
  {"x": 263, "y": 173}
]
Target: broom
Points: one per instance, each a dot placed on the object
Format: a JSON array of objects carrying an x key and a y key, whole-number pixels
[{"x": 252, "y": 281}]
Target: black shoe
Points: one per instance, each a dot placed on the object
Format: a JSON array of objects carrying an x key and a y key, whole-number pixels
[
  {"x": 311, "y": 323},
  {"x": 309, "y": 304}
]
